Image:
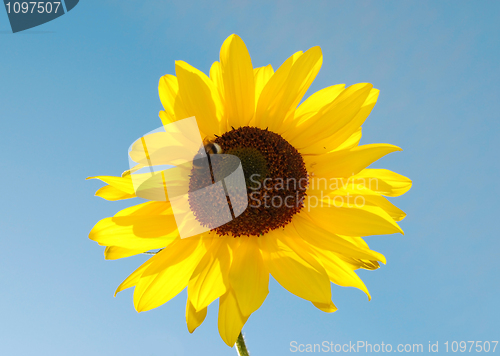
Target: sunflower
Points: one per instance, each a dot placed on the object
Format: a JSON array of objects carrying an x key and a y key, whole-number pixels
[{"x": 254, "y": 114}]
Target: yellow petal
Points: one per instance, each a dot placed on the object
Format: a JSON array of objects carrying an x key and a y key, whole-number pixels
[
  {"x": 248, "y": 276},
  {"x": 395, "y": 213},
  {"x": 348, "y": 218},
  {"x": 351, "y": 142},
  {"x": 209, "y": 280},
  {"x": 239, "y": 82},
  {"x": 167, "y": 119},
  {"x": 168, "y": 89},
  {"x": 262, "y": 76},
  {"x": 326, "y": 240},
  {"x": 348, "y": 162},
  {"x": 317, "y": 101},
  {"x": 161, "y": 148},
  {"x": 326, "y": 307},
  {"x": 357, "y": 263},
  {"x": 169, "y": 274},
  {"x": 194, "y": 318},
  {"x": 200, "y": 97},
  {"x": 366, "y": 184},
  {"x": 384, "y": 181},
  {"x": 275, "y": 83},
  {"x": 132, "y": 280},
  {"x": 350, "y": 127},
  {"x": 328, "y": 144},
  {"x": 285, "y": 89},
  {"x": 340, "y": 272},
  {"x": 141, "y": 227},
  {"x": 123, "y": 184},
  {"x": 332, "y": 118},
  {"x": 358, "y": 241},
  {"x": 137, "y": 233},
  {"x": 231, "y": 320},
  {"x": 111, "y": 193},
  {"x": 351, "y": 250},
  {"x": 294, "y": 267},
  {"x": 216, "y": 77},
  {"x": 115, "y": 252},
  {"x": 148, "y": 209}
]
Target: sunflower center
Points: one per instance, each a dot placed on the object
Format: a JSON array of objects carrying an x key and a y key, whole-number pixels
[
  {"x": 253, "y": 163},
  {"x": 275, "y": 176}
]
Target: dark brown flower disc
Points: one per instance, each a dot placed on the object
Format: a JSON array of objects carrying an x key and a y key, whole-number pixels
[{"x": 275, "y": 177}]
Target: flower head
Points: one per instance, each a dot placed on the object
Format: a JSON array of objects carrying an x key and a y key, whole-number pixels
[{"x": 311, "y": 198}]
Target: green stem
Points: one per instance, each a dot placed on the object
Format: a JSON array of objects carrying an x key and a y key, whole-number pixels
[{"x": 242, "y": 348}]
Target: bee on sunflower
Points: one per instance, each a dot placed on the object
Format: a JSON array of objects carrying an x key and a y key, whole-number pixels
[{"x": 306, "y": 234}]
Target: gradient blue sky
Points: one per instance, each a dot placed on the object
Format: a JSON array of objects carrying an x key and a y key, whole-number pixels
[{"x": 76, "y": 92}]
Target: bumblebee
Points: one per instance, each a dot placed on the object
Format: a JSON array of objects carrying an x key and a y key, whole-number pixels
[{"x": 211, "y": 148}]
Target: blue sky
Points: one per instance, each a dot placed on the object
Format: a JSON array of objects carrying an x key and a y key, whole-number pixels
[{"x": 76, "y": 92}]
